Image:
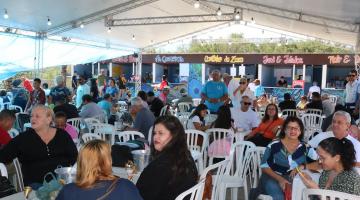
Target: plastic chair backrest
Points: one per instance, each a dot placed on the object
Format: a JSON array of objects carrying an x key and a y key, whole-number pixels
[
  {"x": 218, "y": 134},
  {"x": 125, "y": 136},
  {"x": 240, "y": 158},
  {"x": 104, "y": 130},
  {"x": 195, "y": 192},
  {"x": 290, "y": 112},
  {"x": 3, "y": 170},
  {"x": 86, "y": 137},
  {"x": 150, "y": 134},
  {"x": 19, "y": 176},
  {"x": 313, "y": 111},
  {"x": 333, "y": 99},
  {"x": 327, "y": 194},
  {"x": 15, "y": 107},
  {"x": 192, "y": 137},
  {"x": 75, "y": 122},
  {"x": 184, "y": 106},
  {"x": 13, "y": 132}
]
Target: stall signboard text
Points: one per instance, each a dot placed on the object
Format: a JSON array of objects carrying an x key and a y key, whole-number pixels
[
  {"x": 340, "y": 59},
  {"x": 169, "y": 59},
  {"x": 282, "y": 59},
  {"x": 233, "y": 59}
]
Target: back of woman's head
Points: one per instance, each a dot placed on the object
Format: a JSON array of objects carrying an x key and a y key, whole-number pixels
[
  {"x": 198, "y": 109},
  {"x": 94, "y": 163},
  {"x": 286, "y": 123},
  {"x": 344, "y": 148},
  {"x": 223, "y": 119},
  {"x": 176, "y": 148}
]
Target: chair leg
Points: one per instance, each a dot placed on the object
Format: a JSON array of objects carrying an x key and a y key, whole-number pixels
[
  {"x": 211, "y": 161},
  {"x": 234, "y": 193},
  {"x": 200, "y": 165}
]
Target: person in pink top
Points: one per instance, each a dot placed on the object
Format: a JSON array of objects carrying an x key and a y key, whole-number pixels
[{"x": 60, "y": 122}]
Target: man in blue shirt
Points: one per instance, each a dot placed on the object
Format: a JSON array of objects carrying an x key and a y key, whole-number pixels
[
  {"x": 214, "y": 92},
  {"x": 106, "y": 104}
]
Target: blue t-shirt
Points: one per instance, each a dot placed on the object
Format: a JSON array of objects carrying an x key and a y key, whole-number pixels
[
  {"x": 105, "y": 105},
  {"x": 113, "y": 91},
  {"x": 58, "y": 93},
  {"x": 259, "y": 90},
  {"x": 216, "y": 90},
  {"x": 124, "y": 190}
]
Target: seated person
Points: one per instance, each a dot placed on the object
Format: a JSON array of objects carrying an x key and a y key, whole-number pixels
[
  {"x": 172, "y": 169},
  {"x": 60, "y": 122},
  {"x": 263, "y": 102},
  {"x": 89, "y": 108},
  {"x": 328, "y": 106},
  {"x": 40, "y": 149},
  {"x": 185, "y": 98},
  {"x": 143, "y": 96},
  {"x": 223, "y": 119},
  {"x": 7, "y": 119},
  {"x": 315, "y": 102},
  {"x": 337, "y": 158},
  {"x": 244, "y": 118},
  {"x": 340, "y": 129},
  {"x": 94, "y": 178},
  {"x": 70, "y": 110},
  {"x": 4, "y": 98},
  {"x": 106, "y": 104},
  {"x": 196, "y": 119},
  {"x": 144, "y": 118},
  {"x": 288, "y": 103},
  {"x": 154, "y": 103},
  {"x": 302, "y": 103},
  {"x": 281, "y": 157},
  {"x": 267, "y": 129}
]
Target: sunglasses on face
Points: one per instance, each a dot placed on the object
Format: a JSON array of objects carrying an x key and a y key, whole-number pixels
[
  {"x": 247, "y": 103},
  {"x": 242, "y": 82}
]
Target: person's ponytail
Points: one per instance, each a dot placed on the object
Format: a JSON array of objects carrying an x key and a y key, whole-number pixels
[{"x": 347, "y": 154}]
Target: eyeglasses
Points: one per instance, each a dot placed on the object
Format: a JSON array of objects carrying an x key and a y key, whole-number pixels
[
  {"x": 352, "y": 75},
  {"x": 247, "y": 103},
  {"x": 242, "y": 82},
  {"x": 289, "y": 128}
]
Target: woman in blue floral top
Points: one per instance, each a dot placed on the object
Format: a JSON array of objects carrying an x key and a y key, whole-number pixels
[{"x": 281, "y": 157}]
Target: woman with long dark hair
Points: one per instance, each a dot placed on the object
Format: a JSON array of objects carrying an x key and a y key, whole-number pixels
[
  {"x": 94, "y": 91},
  {"x": 197, "y": 118},
  {"x": 266, "y": 131},
  {"x": 172, "y": 169},
  {"x": 223, "y": 119}
]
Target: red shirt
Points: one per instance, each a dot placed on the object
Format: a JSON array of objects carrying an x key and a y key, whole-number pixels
[
  {"x": 4, "y": 137},
  {"x": 27, "y": 85}
]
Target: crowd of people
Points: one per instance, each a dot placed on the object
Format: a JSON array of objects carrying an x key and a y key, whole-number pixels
[{"x": 236, "y": 103}]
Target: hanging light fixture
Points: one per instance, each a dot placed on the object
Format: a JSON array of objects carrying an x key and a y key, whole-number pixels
[
  {"x": 82, "y": 25},
  {"x": 6, "y": 16},
  {"x": 133, "y": 37},
  {"x": 109, "y": 30},
  {"x": 197, "y": 4},
  {"x": 49, "y": 21},
  {"x": 218, "y": 12},
  {"x": 237, "y": 15},
  {"x": 252, "y": 20}
]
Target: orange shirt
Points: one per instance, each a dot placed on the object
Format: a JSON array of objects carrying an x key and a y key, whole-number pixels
[{"x": 267, "y": 128}]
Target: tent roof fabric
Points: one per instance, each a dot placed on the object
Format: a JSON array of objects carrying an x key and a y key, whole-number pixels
[{"x": 32, "y": 15}]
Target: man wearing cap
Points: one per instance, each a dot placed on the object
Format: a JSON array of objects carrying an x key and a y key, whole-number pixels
[
  {"x": 185, "y": 98},
  {"x": 214, "y": 93},
  {"x": 241, "y": 91}
]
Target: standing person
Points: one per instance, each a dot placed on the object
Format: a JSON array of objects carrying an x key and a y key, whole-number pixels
[
  {"x": 60, "y": 91},
  {"x": 122, "y": 84},
  {"x": 155, "y": 104},
  {"x": 164, "y": 95},
  {"x": 351, "y": 92},
  {"x": 172, "y": 169},
  {"x": 113, "y": 90},
  {"x": 102, "y": 81},
  {"x": 337, "y": 158},
  {"x": 259, "y": 89},
  {"x": 46, "y": 89},
  {"x": 7, "y": 119},
  {"x": 20, "y": 95},
  {"x": 74, "y": 81},
  {"x": 164, "y": 82},
  {"x": 231, "y": 85},
  {"x": 94, "y": 90},
  {"x": 244, "y": 117},
  {"x": 214, "y": 93},
  {"x": 314, "y": 88},
  {"x": 27, "y": 84},
  {"x": 241, "y": 91},
  {"x": 94, "y": 178},
  {"x": 40, "y": 149},
  {"x": 267, "y": 129},
  {"x": 282, "y": 82},
  {"x": 37, "y": 96},
  {"x": 81, "y": 90}
]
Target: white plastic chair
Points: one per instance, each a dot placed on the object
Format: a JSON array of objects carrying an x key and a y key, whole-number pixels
[
  {"x": 196, "y": 192},
  {"x": 256, "y": 172},
  {"x": 198, "y": 152},
  {"x": 290, "y": 112},
  {"x": 184, "y": 107},
  {"x": 219, "y": 135},
  {"x": 86, "y": 137},
  {"x": 105, "y": 131},
  {"x": 75, "y": 122},
  {"x": 125, "y": 136},
  {"x": 312, "y": 124},
  {"x": 3, "y": 170},
  {"x": 333, "y": 99},
  {"x": 15, "y": 107},
  {"x": 89, "y": 123},
  {"x": 5, "y": 106},
  {"x": 196, "y": 101},
  {"x": 19, "y": 176},
  {"x": 13, "y": 132},
  {"x": 210, "y": 118},
  {"x": 150, "y": 134},
  {"x": 313, "y": 111},
  {"x": 163, "y": 110},
  {"x": 102, "y": 117},
  {"x": 219, "y": 169},
  {"x": 327, "y": 194},
  {"x": 241, "y": 160}
]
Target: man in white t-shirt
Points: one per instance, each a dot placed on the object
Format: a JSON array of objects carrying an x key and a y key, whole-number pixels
[
  {"x": 243, "y": 90},
  {"x": 340, "y": 125},
  {"x": 244, "y": 117},
  {"x": 231, "y": 85},
  {"x": 314, "y": 88}
]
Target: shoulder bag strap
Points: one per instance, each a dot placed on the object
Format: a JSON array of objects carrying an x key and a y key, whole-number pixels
[{"x": 109, "y": 190}]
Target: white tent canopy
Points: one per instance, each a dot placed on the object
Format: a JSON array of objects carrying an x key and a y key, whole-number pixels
[{"x": 328, "y": 19}]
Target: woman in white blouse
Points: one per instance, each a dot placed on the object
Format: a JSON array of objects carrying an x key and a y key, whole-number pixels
[{"x": 197, "y": 118}]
